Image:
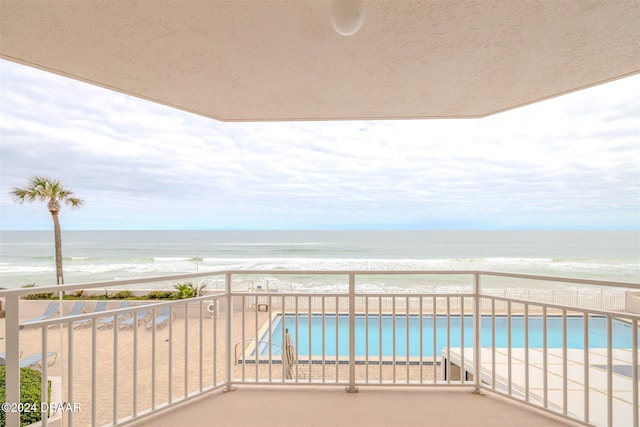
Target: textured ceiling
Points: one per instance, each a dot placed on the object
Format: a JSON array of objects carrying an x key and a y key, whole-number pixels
[{"x": 282, "y": 60}]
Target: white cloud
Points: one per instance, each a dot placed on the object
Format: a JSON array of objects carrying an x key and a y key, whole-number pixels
[{"x": 570, "y": 162}]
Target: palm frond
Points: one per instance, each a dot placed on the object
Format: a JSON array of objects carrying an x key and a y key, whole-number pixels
[
  {"x": 41, "y": 188},
  {"x": 20, "y": 195},
  {"x": 74, "y": 202}
]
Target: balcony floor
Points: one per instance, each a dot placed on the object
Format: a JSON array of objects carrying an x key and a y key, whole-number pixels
[{"x": 312, "y": 406}]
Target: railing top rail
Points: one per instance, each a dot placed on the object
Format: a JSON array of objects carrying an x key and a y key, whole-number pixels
[
  {"x": 140, "y": 280},
  {"x": 594, "y": 282},
  {"x": 415, "y": 294},
  {"x": 567, "y": 307},
  {"x": 107, "y": 283},
  {"x": 144, "y": 304},
  {"x": 356, "y": 272},
  {"x": 357, "y": 294},
  {"x": 285, "y": 293}
]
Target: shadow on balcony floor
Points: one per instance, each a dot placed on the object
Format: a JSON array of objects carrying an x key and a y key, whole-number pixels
[{"x": 328, "y": 406}]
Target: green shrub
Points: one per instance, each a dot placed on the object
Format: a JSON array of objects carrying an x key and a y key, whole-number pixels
[
  {"x": 79, "y": 294},
  {"x": 30, "y": 393},
  {"x": 46, "y": 295},
  {"x": 122, "y": 295},
  {"x": 188, "y": 290},
  {"x": 183, "y": 290},
  {"x": 162, "y": 295}
]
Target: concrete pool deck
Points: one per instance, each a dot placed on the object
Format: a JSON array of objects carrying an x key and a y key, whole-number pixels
[{"x": 622, "y": 384}]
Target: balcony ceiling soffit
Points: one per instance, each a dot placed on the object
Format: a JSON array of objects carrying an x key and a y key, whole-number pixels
[{"x": 259, "y": 61}]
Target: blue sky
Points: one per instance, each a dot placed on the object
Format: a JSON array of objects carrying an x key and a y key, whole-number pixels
[{"x": 568, "y": 163}]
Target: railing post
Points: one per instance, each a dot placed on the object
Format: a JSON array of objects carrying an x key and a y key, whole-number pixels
[
  {"x": 477, "y": 322},
  {"x": 634, "y": 371},
  {"x": 352, "y": 334},
  {"x": 229, "y": 362},
  {"x": 12, "y": 379}
]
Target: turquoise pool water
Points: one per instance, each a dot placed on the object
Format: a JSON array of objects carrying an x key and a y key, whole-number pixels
[{"x": 313, "y": 342}]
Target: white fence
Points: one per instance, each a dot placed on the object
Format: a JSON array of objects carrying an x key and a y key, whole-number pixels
[{"x": 122, "y": 364}]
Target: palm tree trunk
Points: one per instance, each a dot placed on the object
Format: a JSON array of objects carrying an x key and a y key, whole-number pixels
[{"x": 58, "y": 243}]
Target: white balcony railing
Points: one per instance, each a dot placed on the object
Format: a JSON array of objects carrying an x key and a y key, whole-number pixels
[{"x": 569, "y": 352}]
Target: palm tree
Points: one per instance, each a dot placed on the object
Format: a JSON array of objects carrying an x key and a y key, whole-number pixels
[{"x": 42, "y": 189}]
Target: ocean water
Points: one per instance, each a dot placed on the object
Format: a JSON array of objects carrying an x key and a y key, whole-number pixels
[{"x": 27, "y": 257}]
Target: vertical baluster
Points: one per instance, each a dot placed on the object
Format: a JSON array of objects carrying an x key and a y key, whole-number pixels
[
  {"x": 634, "y": 371},
  {"x": 609, "y": 371},
  {"x": 153, "y": 368},
  {"x": 214, "y": 321},
  {"x": 283, "y": 342},
  {"x": 12, "y": 368},
  {"x": 44, "y": 385},
  {"x": 186, "y": 350},
  {"x": 169, "y": 356},
  {"x": 545, "y": 376},
  {"x": 243, "y": 337},
  {"x": 393, "y": 336},
  {"x": 257, "y": 339},
  {"x": 463, "y": 369},
  {"x": 477, "y": 333},
  {"x": 509, "y": 364},
  {"x": 229, "y": 334},
  {"x": 448, "y": 323},
  {"x": 352, "y": 334},
  {"x": 420, "y": 343},
  {"x": 324, "y": 325},
  {"x": 201, "y": 355},
  {"x": 585, "y": 364},
  {"x": 70, "y": 372},
  {"x": 564, "y": 364},
  {"x": 310, "y": 338},
  {"x": 135, "y": 369},
  {"x": 380, "y": 339},
  {"x": 297, "y": 337},
  {"x": 115, "y": 367},
  {"x": 270, "y": 321},
  {"x": 434, "y": 315},
  {"x": 407, "y": 334},
  {"x": 366, "y": 340},
  {"x": 94, "y": 375},
  {"x": 493, "y": 343},
  {"x": 337, "y": 336},
  {"x": 526, "y": 352}
]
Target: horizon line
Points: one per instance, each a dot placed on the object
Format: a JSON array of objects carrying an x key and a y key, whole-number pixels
[{"x": 326, "y": 229}]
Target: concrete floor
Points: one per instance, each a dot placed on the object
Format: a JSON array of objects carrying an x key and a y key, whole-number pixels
[
  {"x": 312, "y": 406},
  {"x": 622, "y": 383}
]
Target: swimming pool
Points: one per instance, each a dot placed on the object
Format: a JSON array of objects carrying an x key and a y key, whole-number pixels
[{"x": 381, "y": 341}]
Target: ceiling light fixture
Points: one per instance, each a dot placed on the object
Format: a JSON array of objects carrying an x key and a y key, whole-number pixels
[{"x": 347, "y": 16}]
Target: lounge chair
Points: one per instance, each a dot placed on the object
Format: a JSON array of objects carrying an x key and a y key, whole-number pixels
[
  {"x": 34, "y": 359},
  {"x": 161, "y": 320},
  {"x": 77, "y": 309},
  {"x": 3, "y": 357},
  {"x": 109, "y": 321},
  {"x": 100, "y": 306},
  {"x": 50, "y": 311},
  {"x": 134, "y": 319}
]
